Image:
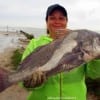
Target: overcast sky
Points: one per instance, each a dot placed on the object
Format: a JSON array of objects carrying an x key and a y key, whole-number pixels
[{"x": 31, "y": 13}]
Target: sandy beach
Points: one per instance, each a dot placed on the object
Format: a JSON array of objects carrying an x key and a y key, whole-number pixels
[{"x": 15, "y": 92}]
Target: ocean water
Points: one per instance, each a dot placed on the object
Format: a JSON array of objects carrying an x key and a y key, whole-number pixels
[
  {"x": 34, "y": 31},
  {"x": 9, "y": 39}
]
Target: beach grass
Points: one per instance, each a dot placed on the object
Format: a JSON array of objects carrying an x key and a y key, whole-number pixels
[{"x": 16, "y": 58}]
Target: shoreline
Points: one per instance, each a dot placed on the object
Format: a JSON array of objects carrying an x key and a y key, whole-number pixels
[
  {"x": 10, "y": 42},
  {"x": 14, "y": 92}
]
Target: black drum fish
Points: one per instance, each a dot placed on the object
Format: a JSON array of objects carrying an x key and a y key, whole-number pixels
[{"x": 78, "y": 47}]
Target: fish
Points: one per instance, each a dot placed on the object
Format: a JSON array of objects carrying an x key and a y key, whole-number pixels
[{"x": 61, "y": 55}]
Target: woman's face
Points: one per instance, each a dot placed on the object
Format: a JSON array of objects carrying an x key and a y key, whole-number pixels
[{"x": 56, "y": 21}]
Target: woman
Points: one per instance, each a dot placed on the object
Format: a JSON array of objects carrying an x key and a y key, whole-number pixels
[{"x": 66, "y": 85}]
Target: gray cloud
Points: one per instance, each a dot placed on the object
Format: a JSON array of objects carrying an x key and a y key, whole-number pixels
[{"x": 82, "y": 14}]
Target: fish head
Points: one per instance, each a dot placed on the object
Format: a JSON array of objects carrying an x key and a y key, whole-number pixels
[{"x": 90, "y": 47}]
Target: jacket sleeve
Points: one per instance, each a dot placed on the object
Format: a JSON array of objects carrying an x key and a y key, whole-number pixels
[
  {"x": 31, "y": 47},
  {"x": 93, "y": 69}
]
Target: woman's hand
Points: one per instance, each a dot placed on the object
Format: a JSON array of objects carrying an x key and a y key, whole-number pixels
[
  {"x": 60, "y": 33},
  {"x": 35, "y": 80}
]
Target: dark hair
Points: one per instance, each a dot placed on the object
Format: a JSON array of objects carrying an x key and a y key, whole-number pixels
[{"x": 54, "y": 7}]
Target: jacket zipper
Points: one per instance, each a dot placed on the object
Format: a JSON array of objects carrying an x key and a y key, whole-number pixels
[{"x": 60, "y": 86}]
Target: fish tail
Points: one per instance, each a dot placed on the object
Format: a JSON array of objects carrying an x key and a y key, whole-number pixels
[{"x": 4, "y": 83}]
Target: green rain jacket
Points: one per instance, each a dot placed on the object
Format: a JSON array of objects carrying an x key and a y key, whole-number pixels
[{"x": 65, "y": 86}]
